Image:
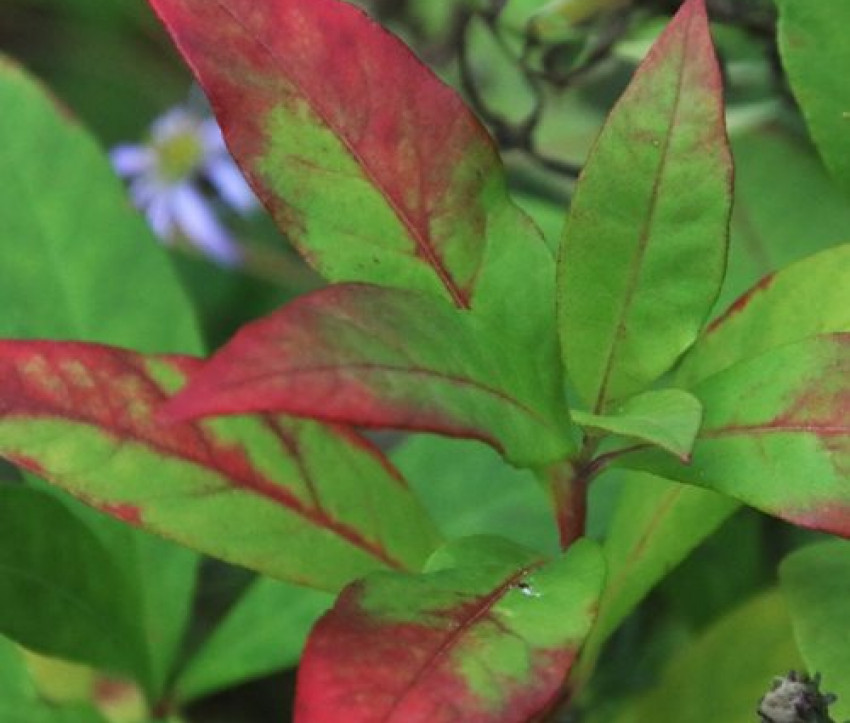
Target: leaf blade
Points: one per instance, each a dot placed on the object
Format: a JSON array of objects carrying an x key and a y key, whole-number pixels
[
  {"x": 657, "y": 524},
  {"x": 784, "y": 451},
  {"x": 445, "y": 629},
  {"x": 265, "y": 631},
  {"x": 812, "y": 46},
  {"x": 804, "y": 299},
  {"x": 53, "y": 567},
  {"x": 666, "y": 418},
  {"x": 84, "y": 416},
  {"x": 332, "y": 93},
  {"x": 663, "y": 154},
  {"x": 814, "y": 580},
  {"x": 62, "y": 195},
  {"x": 371, "y": 356}
]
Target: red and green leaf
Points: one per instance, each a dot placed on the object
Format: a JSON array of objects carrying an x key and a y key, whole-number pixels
[
  {"x": 374, "y": 167},
  {"x": 297, "y": 500},
  {"x": 807, "y": 298},
  {"x": 644, "y": 249},
  {"x": 776, "y": 434},
  {"x": 378, "y": 357},
  {"x": 489, "y": 640}
]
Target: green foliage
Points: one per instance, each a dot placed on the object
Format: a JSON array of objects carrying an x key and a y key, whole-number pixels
[
  {"x": 635, "y": 379},
  {"x": 815, "y": 580}
]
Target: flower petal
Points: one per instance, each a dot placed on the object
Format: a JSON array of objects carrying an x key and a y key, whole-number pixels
[
  {"x": 196, "y": 219},
  {"x": 230, "y": 184},
  {"x": 132, "y": 160}
]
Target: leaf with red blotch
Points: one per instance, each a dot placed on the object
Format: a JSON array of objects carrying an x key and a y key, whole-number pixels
[
  {"x": 807, "y": 298},
  {"x": 375, "y": 168},
  {"x": 776, "y": 434},
  {"x": 297, "y": 500},
  {"x": 378, "y": 357},
  {"x": 644, "y": 249},
  {"x": 489, "y": 638}
]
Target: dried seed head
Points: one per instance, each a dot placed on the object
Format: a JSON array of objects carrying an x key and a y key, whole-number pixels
[{"x": 796, "y": 698}]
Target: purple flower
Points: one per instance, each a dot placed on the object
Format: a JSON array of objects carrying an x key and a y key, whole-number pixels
[{"x": 165, "y": 176}]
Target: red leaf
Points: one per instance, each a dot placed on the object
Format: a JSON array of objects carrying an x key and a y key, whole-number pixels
[
  {"x": 347, "y": 137},
  {"x": 379, "y": 357},
  {"x": 491, "y": 643},
  {"x": 270, "y": 493}
]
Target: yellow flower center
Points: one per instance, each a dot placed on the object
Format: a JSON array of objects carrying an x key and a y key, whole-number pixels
[{"x": 179, "y": 155}]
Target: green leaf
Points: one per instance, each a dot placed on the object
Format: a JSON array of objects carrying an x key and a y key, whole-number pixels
[
  {"x": 668, "y": 418},
  {"x": 644, "y": 248},
  {"x": 264, "y": 632},
  {"x": 91, "y": 270},
  {"x": 657, "y": 525},
  {"x": 816, "y": 583},
  {"x": 808, "y": 298},
  {"x": 814, "y": 50},
  {"x": 775, "y": 435},
  {"x": 19, "y": 698},
  {"x": 296, "y": 500},
  {"x": 15, "y": 682},
  {"x": 52, "y": 568},
  {"x": 469, "y": 490},
  {"x": 724, "y": 674},
  {"x": 495, "y": 637},
  {"x": 377, "y": 357}
]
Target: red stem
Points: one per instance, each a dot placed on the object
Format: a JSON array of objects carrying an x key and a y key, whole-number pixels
[{"x": 568, "y": 489}]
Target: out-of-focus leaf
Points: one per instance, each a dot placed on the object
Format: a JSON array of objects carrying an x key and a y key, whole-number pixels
[
  {"x": 816, "y": 583},
  {"x": 725, "y": 673},
  {"x": 493, "y": 638},
  {"x": 815, "y": 53},
  {"x": 378, "y": 357},
  {"x": 264, "y": 632},
  {"x": 296, "y": 500},
  {"x": 775, "y": 435},
  {"x": 771, "y": 230},
  {"x": 808, "y": 298},
  {"x": 469, "y": 490},
  {"x": 53, "y": 568},
  {"x": 76, "y": 261},
  {"x": 644, "y": 249},
  {"x": 656, "y": 525},
  {"x": 667, "y": 418}
]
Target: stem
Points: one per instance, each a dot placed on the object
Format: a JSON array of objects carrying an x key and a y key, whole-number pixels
[{"x": 568, "y": 491}]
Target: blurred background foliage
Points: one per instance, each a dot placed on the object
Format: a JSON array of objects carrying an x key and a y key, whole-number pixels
[{"x": 542, "y": 75}]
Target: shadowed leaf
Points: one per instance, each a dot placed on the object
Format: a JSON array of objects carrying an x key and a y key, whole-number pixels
[
  {"x": 656, "y": 526},
  {"x": 379, "y": 357},
  {"x": 491, "y": 638},
  {"x": 644, "y": 248},
  {"x": 722, "y": 675},
  {"x": 813, "y": 45},
  {"x": 264, "y": 632},
  {"x": 296, "y": 500},
  {"x": 52, "y": 567},
  {"x": 816, "y": 583}
]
